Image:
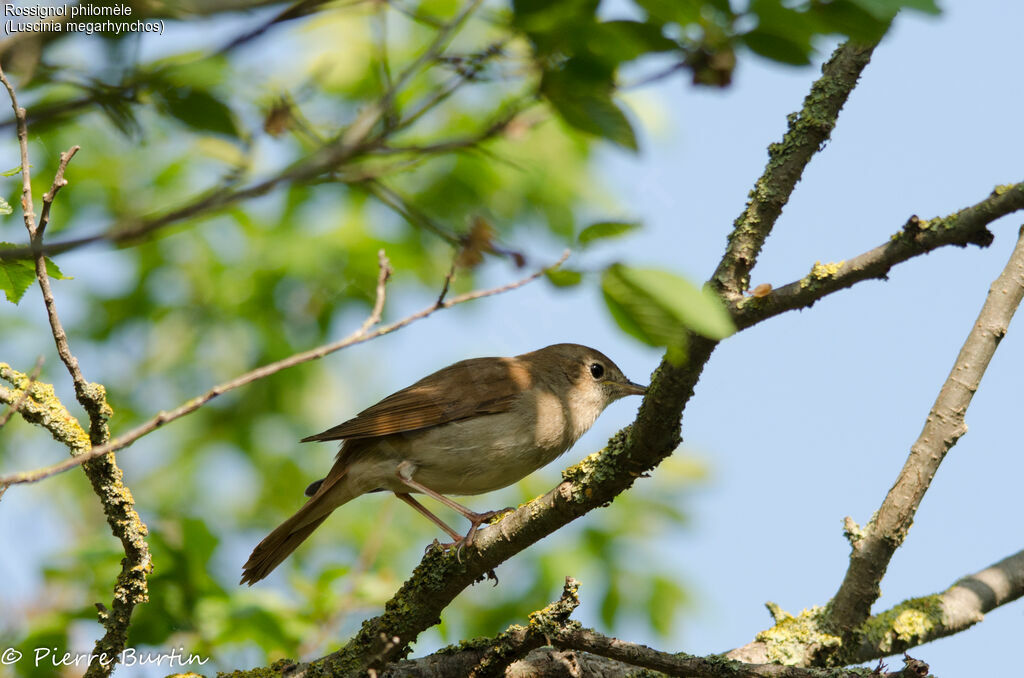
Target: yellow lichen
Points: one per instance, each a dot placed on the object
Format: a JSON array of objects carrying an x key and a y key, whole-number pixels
[
  {"x": 906, "y": 624},
  {"x": 821, "y": 271},
  {"x": 794, "y": 639}
]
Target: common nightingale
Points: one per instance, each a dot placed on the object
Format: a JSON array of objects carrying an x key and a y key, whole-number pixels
[{"x": 472, "y": 427}]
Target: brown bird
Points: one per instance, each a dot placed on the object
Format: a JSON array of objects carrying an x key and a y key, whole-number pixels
[{"x": 472, "y": 427}]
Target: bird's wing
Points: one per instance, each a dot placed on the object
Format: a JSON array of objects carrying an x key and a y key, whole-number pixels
[{"x": 465, "y": 389}]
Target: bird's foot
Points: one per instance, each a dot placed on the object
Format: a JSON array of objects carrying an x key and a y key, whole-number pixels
[{"x": 477, "y": 520}]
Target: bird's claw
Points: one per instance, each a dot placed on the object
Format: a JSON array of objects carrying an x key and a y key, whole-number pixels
[{"x": 476, "y": 522}]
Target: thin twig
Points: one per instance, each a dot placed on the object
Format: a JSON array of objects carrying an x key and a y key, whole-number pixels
[
  {"x": 357, "y": 337},
  {"x": 59, "y": 182},
  {"x": 476, "y": 64},
  {"x": 383, "y": 57},
  {"x": 653, "y": 78},
  {"x": 383, "y": 275},
  {"x": 414, "y": 216},
  {"x": 296, "y": 11},
  {"x": 87, "y": 395},
  {"x": 437, "y": 45},
  {"x": 418, "y": 17},
  {"x": 499, "y": 125},
  {"x": 943, "y": 427},
  {"x": 448, "y": 278},
  {"x": 26, "y": 180}
]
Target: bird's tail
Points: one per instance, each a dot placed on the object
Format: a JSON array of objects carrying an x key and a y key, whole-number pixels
[{"x": 279, "y": 544}]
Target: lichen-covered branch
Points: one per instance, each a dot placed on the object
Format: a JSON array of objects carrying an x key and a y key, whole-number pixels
[
  {"x": 518, "y": 652},
  {"x": 944, "y": 425},
  {"x": 688, "y": 666},
  {"x": 15, "y": 405},
  {"x": 37, "y": 404},
  {"x": 808, "y": 130},
  {"x": 622, "y": 658},
  {"x": 964, "y": 604},
  {"x": 968, "y": 226},
  {"x": 518, "y": 641},
  {"x": 911, "y": 623}
]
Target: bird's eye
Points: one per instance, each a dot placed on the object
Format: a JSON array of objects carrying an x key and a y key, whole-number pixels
[{"x": 596, "y": 370}]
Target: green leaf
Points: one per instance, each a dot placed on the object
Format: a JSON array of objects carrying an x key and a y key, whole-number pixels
[
  {"x": 657, "y": 307},
  {"x": 886, "y": 9},
  {"x": 54, "y": 271},
  {"x": 682, "y": 12},
  {"x": 610, "y": 604},
  {"x": 200, "y": 110},
  {"x": 17, "y": 275},
  {"x": 591, "y": 110},
  {"x": 846, "y": 17},
  {"x": 666, "y": 597},
  {"x": 926, "y": 6},
  {"x": 777, "y": 48},
  {"x": 564, "y": 277},
  {"x": 606, "y": 229},
  {"x": 5, "y": 207},
  {"x": 11, "y": 172},
  {"x": 546, "y": 20},
  {"x": 620, "y": 41}
]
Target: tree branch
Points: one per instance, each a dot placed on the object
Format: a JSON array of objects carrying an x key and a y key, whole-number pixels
[
  {"x": 968, "y": 226},
  {"x": 944, "y": 425},
  {"x": 808, "y": 130},
  {"x": 516, "y": 642},
  {"x": 516, "y": 652},
  {"x": 15, "y": 405},
  {"x": 688, "y": 666},
  {"x": 921, "y": 620}
]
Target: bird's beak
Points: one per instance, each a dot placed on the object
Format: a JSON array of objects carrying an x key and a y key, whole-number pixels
[{"x": 629, "y": 388}]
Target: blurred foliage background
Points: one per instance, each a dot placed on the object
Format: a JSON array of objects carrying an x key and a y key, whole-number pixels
[{"x": 232, "y": 232}]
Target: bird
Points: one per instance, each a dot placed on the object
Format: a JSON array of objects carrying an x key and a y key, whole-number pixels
[{"x": 473, "y": 427}]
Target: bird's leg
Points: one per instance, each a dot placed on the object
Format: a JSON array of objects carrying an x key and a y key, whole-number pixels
[
  {"x": 425, "y": 512},
  {"x": 405, "y": 470}
]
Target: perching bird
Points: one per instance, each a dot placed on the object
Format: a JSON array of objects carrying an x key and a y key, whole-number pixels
[{"x": 472, "y": 427}]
